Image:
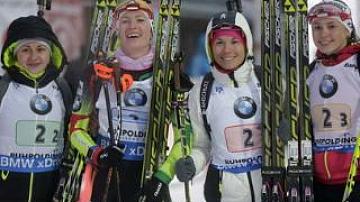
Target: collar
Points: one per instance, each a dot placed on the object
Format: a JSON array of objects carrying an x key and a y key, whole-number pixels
[
  {"x": 235, "y": 78},
  {"x": 342, "y": 55}
]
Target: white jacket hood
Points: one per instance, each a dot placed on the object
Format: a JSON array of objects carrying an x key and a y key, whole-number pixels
[{"x": 229, "y": 18}]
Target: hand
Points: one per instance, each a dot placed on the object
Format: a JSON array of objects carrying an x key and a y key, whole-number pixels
[
  {"x": 111, "y": 156},
  {"x": 185, "y": 169},
  {"x": 155, "y": 190}
]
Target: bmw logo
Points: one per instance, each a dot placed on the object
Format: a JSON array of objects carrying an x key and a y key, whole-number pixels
[
  {"x": 328, "y": 86},
  {"x": 245, "y": 107},
  {"x": 135, "y": 97},
  {"x": 40, "y": 104}
]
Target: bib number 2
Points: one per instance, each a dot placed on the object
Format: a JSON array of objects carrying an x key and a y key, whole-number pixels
[
  {"x": 243, "y": 138},
  {"x": 38, "y": 133}
]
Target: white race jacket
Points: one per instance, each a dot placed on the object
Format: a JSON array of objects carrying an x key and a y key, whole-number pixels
[{"x": 234, "y": 115}]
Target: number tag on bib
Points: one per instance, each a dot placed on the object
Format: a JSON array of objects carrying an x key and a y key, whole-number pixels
[
  {"x": 243, "y": 138},
  {"x": 331, "y": 117},
  {"x": 38, "y": 133}
]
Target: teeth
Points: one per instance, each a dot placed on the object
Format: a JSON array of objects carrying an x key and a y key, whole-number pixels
[
  {"x": 133, "y": 35},
  {"x": 227, "y": 58}
]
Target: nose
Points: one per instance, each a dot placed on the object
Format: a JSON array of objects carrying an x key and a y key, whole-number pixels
[
  {"x": 324, "y": 31},
  {"x": 132, "y": 23},
  {"x": 227, "y": 48},
  {"x": 34, "y": 55}
]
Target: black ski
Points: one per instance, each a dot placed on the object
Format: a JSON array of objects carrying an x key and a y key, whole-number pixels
[
  {"x": 166, "y": 48},
  {"x": 273, "y": 169},
  {"x": 305, "y": 145}
]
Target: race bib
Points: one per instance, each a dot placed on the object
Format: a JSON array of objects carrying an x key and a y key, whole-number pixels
[
  {"x": 39, "y": 133},
  {"x": 331, "y": 117},
  {"x": 243, "y": 138}
]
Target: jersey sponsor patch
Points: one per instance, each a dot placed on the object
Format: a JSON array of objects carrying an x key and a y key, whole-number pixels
[
  {"x": 26, "y": 163},
  {"x": 242, "y": 138},
  {"x": 241, "y": 165},
  {"x": 328, "y": 86},
  {"x": 133, "y": 150},
  {"x": 40, "y": 104},
  {"x": 135, "y": 97},
  {"x": 346, "y": 143},
  {"x": 245, "y": 107}
]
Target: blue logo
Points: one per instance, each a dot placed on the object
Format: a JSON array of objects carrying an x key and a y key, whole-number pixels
[
  {"x": 328, "y": 86},
  {"x": 40, "y": 104},
  {"x": 135, "y": 97},
  {"x": 245, "y": 107}
]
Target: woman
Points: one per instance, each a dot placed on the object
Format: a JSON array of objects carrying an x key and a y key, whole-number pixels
[
  {"x": 133, "y": 25},
  {"x": 334, "y": 98},
  {"x": 228, "y": 131},
  {"x": 33, "y": 111}
]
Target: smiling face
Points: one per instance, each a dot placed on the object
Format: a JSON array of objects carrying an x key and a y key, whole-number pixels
[
  {"x": 135, "y": 33},
  {"x": 229, "y": 52},
  {"x": 33, "y": 56},
  {"x": 329, "y": 35}
]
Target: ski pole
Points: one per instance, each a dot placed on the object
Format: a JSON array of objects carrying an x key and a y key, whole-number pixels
[
  {"x": 179, "y": 111},
  {"x": 106, "y": 74},
  {"x": 232, "y": 5},
  {"x": 43, "y": 4}
]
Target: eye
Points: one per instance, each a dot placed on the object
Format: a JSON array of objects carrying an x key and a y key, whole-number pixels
[
  {"x": 140, "y": 19},
  {"x": 317, "y": 27},
  {"x": 219, "y": 42},
  {"x": 332, "y": 26},
  {"x": 41, "y": 49},
  {"x": 24, "y": 49},
  {"x": 235, "y": 41},
  {"x": 124, "y": 20}
]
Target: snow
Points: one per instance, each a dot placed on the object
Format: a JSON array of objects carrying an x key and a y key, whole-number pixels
[{"x": 196, "y": 189}]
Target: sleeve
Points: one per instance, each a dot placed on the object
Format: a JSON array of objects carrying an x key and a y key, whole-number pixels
[
  {"x": 201, "y": 146},
  {"x": 198, "y": 141},
  {"x": 167, "y": 170},
  {"x": 80, "y": 121}
]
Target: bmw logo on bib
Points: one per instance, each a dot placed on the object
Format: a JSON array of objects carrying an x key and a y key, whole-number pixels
[
  {"x": 40, "y": 104},
  {"x": 135, "y": 97},
  {"x": 328, "y": 86},
  {"x": 245, "y": 107}
]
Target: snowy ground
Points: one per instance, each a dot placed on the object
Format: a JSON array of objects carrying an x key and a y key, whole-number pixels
[
  {"x": 196, "y": 189},
  {"x": 196, "y": 186}
]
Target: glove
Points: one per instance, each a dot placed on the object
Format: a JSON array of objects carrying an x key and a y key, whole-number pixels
[
  {"x": 111, "y": 156},
  {"x": 155, "y": 190},
  {"x": 185, "y": 169}
]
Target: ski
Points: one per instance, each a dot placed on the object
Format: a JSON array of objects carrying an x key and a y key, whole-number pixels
[
  {"x": 273, "y": 169},
  {"x": 97, "y": 28},
  {"x": 299, "y": 169},
  {"x": 292, "y": 177},
  {"x": 266, "y": 101},
  {"x": 305, "y": 144},
  {"x": 165, "y": 48}
]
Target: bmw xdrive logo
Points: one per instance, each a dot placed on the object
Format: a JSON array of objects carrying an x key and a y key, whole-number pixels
[
  {"x": 135, "y": 97},
  {"x": 40, "y": 104},
  {"x": 328, "y": 86},
  {"x": 244, "y": 107}
]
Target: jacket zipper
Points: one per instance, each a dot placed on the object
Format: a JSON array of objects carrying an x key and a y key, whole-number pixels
[{"x": 251, "y": 187}]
